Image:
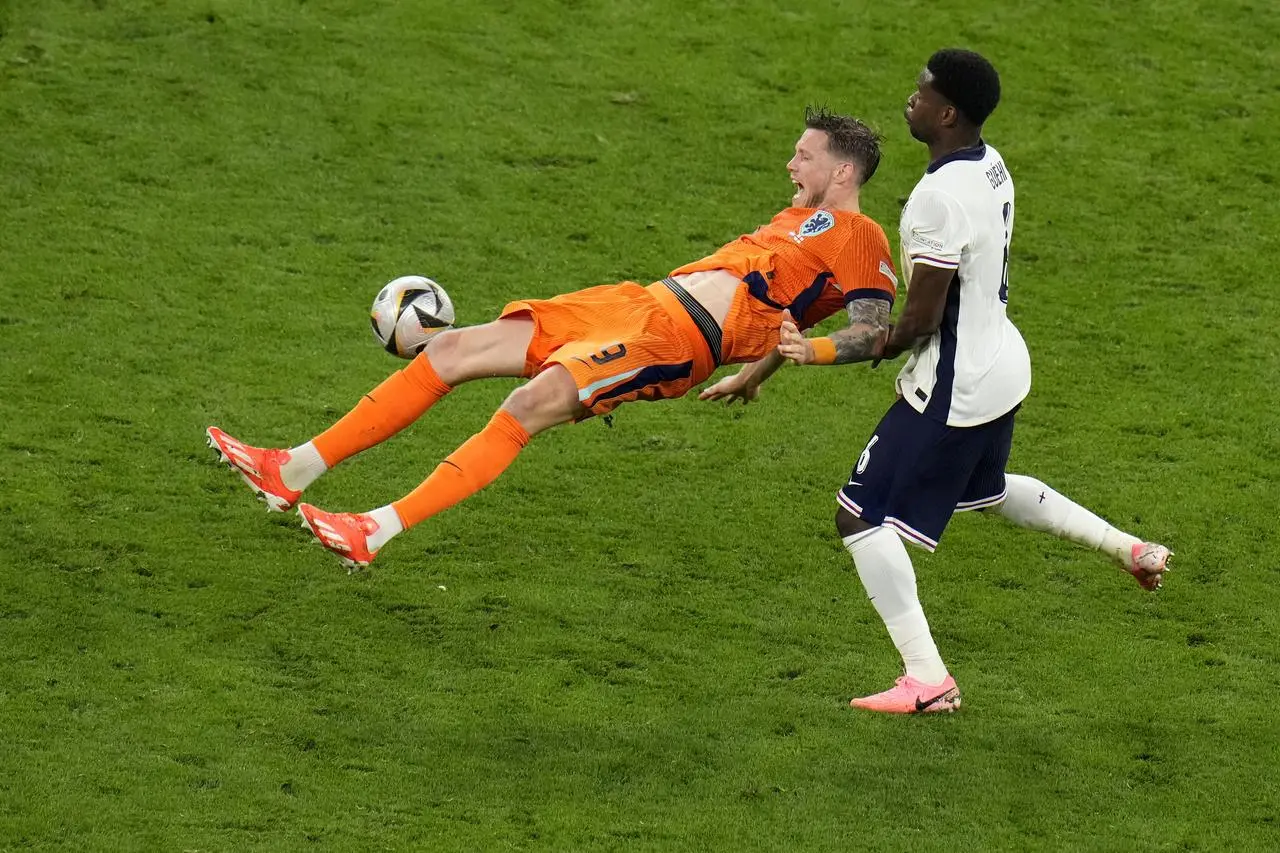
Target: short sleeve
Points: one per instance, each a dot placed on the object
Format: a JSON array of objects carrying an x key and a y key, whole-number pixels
[
  {"x": 937, "y": 230},
  {"x": 863, "y": 268}
]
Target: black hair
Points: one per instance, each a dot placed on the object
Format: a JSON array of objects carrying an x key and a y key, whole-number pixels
[
  {"x": 847, "y": 137},
  {"x": 967, "y": 80}
]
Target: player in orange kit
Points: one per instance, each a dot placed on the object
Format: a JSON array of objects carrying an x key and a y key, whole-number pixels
[{"x": 586, "y": 352}]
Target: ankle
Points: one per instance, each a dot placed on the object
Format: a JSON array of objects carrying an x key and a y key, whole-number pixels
[
  {"x": 304, "y": 467},
  {"x": 389, "y": 525}
]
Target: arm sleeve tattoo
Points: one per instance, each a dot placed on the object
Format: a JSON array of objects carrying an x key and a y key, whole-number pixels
[{"x": 868, "y": 318}]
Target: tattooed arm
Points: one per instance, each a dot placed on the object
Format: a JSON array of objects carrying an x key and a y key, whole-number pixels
[{"x": 862, "y": 340}]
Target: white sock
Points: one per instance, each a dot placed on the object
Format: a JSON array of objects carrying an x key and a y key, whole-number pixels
[
  {"x": 1032, "y": 504},
  {"x": 389, "y": 525},
  {"x": 890, "y": 581},
  {"x": 304, "y": 467}
]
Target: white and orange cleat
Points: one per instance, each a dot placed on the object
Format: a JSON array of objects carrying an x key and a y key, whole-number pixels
[
  {"x": 346, "y": 534},
  {"x": 258, "y": 467},
  {"x": 1148, "y": 562},
  {"x": 909, "y": 696}
]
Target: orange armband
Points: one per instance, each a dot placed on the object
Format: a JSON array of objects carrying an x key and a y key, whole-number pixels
[{"x": 824, "y": 350}]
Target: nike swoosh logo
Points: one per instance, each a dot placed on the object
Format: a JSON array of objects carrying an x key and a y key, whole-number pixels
[{"x": 924, "y": 706}]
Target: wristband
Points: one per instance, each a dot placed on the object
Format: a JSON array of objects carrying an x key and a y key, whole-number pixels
[{"x": 824, "y": 350}]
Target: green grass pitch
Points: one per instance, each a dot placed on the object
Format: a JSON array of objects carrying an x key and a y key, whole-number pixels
[{"x": 642, "y": 637}]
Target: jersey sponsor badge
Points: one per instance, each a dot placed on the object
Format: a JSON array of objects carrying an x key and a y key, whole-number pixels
[
  {"x": 813, "y": 226},
  {"x": 887, "y": 272},
  {"x": 927, "y": 242}
]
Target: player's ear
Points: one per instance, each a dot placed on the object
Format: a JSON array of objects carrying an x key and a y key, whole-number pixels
[{"x": 949, "y": 116}]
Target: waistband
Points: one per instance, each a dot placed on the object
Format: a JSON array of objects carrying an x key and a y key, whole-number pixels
[{"x": 668, "y": 291}]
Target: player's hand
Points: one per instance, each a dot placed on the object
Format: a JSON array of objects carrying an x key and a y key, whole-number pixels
[
  {"x": 881, "y": 350},
  {"x": 731, "y": 389},
  {"x": 792, "y": 345}
]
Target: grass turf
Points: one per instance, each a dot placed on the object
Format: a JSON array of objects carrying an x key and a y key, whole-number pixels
[{"x": 641, "y": 637}]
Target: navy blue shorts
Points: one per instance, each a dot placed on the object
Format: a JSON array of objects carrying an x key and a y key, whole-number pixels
[{"x": 915, "y": 472}]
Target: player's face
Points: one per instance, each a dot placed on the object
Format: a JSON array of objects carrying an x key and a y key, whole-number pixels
[
  {"x": 812, "y": 169},
  {"x": 924, "y": 109}
]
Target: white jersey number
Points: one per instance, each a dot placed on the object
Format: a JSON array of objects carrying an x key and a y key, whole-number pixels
[{"x": 865, "y": 458}]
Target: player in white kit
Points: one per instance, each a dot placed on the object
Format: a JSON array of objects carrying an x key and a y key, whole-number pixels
[{"x": 942, "y": 447}]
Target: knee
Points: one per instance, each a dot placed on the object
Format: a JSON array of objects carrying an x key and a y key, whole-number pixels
[
  {"x": 443, "y": 349},
  {"x": 454, "y": 355},
  {"x": 550, "y": 398},
  {"x": 848, "y": 524}
]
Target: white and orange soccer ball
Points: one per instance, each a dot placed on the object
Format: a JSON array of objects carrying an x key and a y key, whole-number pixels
[{"x": 408, "y": 312}]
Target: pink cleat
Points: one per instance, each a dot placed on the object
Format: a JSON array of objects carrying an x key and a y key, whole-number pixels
[
  {"x": 344, "y": 533},
  {"x": 1148, "y": 562},
  {"x": 909, "y": 696},
  {"x": 258, "y": 467}
]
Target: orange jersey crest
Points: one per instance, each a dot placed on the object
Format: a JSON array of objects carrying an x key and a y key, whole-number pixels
[{"x": 810, "y": 261}]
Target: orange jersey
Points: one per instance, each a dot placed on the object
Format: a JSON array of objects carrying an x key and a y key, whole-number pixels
[{"x": 810, "y": 261}]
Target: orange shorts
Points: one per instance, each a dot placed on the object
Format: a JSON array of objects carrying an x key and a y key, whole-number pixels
[{"x": 620, "y": 342}]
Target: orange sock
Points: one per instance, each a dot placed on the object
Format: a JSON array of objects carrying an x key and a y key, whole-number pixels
[
  {"x": 399, "y": 401},
  {"x": 467, "y": 470}
]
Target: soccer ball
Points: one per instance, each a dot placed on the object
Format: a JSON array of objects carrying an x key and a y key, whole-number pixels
[{"x": 408, "y": 312}]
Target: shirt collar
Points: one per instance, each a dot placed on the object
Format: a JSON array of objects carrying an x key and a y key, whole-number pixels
[{"x": 977, "y": 152}]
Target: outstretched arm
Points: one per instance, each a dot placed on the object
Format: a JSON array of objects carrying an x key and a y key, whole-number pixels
[
  {"x": 922, "y": 315},
  {"x": 745, "y": 384},
  {"x": 863, "y": 339}
]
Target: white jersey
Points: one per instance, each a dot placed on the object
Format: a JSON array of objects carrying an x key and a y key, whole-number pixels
[{"x": 975, "y": 367}]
